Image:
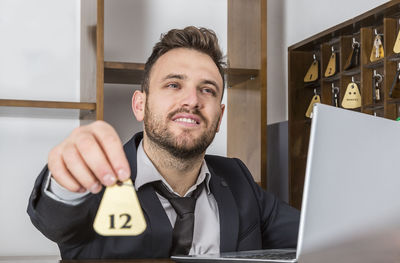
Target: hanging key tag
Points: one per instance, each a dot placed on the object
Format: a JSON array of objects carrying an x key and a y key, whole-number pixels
[
  {"x": 377, "y": 49},
  {"x": 331, "y": 68},
  {"x": 335, "y": 95},
  {"x": 315, "y": 99},
  {"x": 353, "y": 59},
  {"x": 312, "y": 72},
  {"x": 119, "y": 213},
  {"x": 352, "y": 97},
  {"x": 396, "y": 47},
  {"x": 376, "y": 81},
  {"x": 394, "y": 89}
]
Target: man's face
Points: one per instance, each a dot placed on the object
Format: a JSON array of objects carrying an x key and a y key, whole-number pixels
[{"x": 183, "y": 108}]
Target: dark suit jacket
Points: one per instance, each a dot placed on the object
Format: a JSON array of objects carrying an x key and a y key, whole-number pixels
[{"x": 250, "y": 218}]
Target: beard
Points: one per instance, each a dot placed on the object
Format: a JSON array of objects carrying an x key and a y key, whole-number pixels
[{"x": 181, "y": 146}]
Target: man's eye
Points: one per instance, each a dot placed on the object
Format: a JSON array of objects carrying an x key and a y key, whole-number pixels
[
  {"x": 209, "y": 90},
  {"x": 173, "y": 85}
]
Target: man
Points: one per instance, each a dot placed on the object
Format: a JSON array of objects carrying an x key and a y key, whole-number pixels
[{"x": 180, "y": 104}]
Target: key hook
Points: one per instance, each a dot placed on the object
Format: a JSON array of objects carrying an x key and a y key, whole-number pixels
[
  {"x": 335, "y": 90},
  {"x": 378, "y": 76},
  {"x": 355, "y": 43}
]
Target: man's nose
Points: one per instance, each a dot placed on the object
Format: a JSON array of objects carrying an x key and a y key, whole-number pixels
[{"x": 191, "y": 98}]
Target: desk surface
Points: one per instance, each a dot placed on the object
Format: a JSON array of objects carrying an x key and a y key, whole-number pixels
[
  {"x": 120, "y": 261},
  {"x": 52, "y": 259}
]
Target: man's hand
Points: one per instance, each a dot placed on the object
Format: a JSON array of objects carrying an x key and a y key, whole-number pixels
[{"x": 89, "y": 157}]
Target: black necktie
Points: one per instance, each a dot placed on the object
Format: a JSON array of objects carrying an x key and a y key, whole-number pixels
[{"x": 182, "y": 235}]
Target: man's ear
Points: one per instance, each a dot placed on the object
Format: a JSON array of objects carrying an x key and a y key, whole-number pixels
[
  {"x": 220, "y": 117},
  {"x": 138, "y": 104}
]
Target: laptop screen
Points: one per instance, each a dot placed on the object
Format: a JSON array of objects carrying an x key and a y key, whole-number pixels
[{"x": 352, "y": 179}]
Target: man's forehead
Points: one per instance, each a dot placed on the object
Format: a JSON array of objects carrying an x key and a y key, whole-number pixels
[{"x": 183, "y": 63}]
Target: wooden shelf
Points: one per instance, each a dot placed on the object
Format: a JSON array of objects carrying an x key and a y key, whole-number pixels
[
  {"x": 393, "y": 101},
  {"x": 236, "y": 76},
  {"x": 311, "y": 85},
  {"x": 394, "y": 57},
  {"x": 352, "y": 71},
  {"x": 332, "y": 78},
  {"x": 374, "y": 106},
  {"x": 375, "y": 64},
  {"x": 123, "y": 72},
  {"x": 132, "y": 73},
  {"x": 48, "y": 104}
]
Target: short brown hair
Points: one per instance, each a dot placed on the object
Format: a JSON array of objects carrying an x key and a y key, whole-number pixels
[{"x": 201, "y": 39}]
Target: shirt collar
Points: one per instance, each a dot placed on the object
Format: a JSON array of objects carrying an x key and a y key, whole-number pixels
[{"x": 147, "y": 173}]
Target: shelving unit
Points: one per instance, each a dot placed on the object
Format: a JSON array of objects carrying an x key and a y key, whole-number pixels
[
  {"x": 90, "y": 107},
  {"x": 385, "y": 20},
  {"x": 245, "y": 75}
]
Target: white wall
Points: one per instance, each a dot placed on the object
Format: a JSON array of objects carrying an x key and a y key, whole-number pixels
[
  {"x": 290, "y": 21},
  {"x": 39, "y": 51}
]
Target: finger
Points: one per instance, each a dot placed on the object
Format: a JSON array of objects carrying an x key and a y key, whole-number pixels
[
  {"x": 61, "y": 174},
  {"x": 79, "y": 170},
  {"x": 95, "y": 158},
  {"x": 112, "y": 146}
]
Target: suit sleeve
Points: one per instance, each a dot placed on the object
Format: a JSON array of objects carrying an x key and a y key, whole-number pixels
[
  {"x": 279, "y": 221},
  {"x": 61, "y": 222}
]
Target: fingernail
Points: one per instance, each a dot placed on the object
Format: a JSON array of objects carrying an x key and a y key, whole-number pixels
[
  {"x": 123, "y": 175},
  {"x": 95, "y": 188},
  {"x": 109, "y": 179},
  {"x": 81, "y": 190}
]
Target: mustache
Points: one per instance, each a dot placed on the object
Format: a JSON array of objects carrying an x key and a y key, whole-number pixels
[{"x": 184, "y": 110}]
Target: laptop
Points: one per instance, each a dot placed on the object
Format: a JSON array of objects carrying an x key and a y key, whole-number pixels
[{"x": 351, "y": 189}]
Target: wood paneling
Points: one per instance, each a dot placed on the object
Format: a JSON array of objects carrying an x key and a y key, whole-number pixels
[
  {"x": 244, "y": 140},
  {"x": 100, "y": 61},
  {"x": 244, "y": 38},
  {"x": 247, "y": 47}
]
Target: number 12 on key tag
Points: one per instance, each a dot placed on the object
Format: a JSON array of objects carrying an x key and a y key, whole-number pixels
[{"x": 119, "y": 213}]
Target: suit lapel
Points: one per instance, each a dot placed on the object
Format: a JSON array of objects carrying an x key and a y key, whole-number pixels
[
  {"x": 158, "y": 224},
  {"x": 159, "y": 228},
  {"x": 228, "y": 213}
]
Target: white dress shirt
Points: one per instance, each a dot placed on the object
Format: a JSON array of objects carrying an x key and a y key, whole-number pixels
[{"x": 206, "y": 234}]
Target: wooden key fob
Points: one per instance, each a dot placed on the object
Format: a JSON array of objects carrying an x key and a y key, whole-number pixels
[
  {"x": 396, "y": 47},
  {"x": 377, "y": 49},
  {"x": 315, "y": 99},
  {"x": 352, "y": 97},
  {"x": 312, "y": 73},
  {"x": 331, "y": 68}
]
